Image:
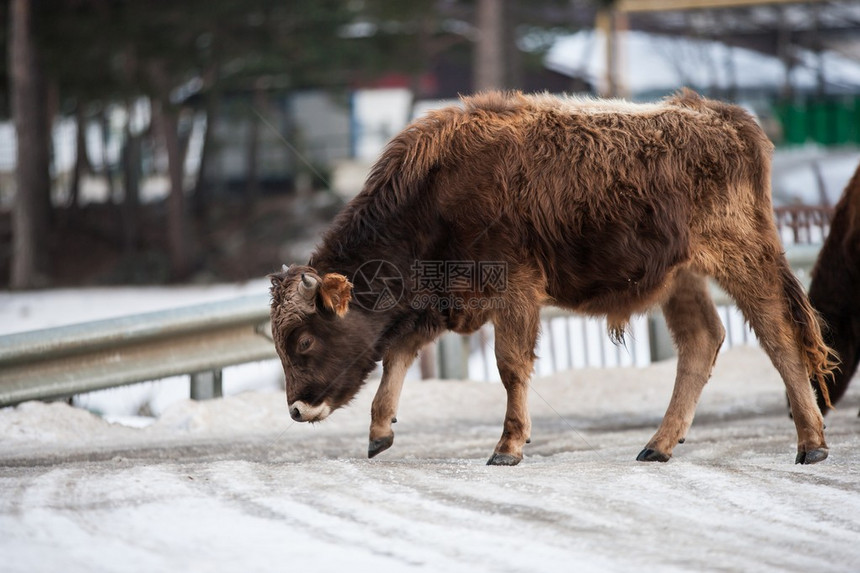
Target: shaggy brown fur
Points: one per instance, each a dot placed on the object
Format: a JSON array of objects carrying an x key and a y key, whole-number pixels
[
  {"x": 835, "y": 288},
  {"x": 601, "y": 207}
]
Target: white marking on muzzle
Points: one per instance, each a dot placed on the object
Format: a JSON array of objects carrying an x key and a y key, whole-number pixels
[{"x": 301, "y": 412}]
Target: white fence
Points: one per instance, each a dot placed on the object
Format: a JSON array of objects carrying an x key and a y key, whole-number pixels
[{"x": 572, "y": 341}]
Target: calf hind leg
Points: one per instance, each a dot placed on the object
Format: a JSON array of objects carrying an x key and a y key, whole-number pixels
[
  {"x": 787, "y": 327},
  {"x": 698, "y": 334}
]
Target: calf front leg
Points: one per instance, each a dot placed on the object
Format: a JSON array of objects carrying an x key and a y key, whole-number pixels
[
  {"x": 698, "y": 333},
  {"x": 384, "y": 409},
  {"x": 515, "y": 341}
]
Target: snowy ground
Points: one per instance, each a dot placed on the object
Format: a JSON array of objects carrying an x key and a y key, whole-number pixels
[{"x": 233, "y": 484}]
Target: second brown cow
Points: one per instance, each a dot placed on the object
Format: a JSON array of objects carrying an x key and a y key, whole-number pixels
[
  {"x": 486, "y": 213},
  {"x": 835, "y": 289}
]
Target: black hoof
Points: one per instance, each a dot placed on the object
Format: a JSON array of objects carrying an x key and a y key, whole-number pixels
[
  {"x": 503, "y": 460},
  {"x": 379, "y": 445},
  {"x": 811, "y": 457},
  {"x": 649, "y": 455}
]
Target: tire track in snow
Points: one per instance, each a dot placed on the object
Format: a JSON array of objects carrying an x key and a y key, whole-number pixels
[{"x": 395, "y": 522}]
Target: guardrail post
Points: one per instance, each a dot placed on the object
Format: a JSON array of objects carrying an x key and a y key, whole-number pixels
[
  {"x": 206, "y": 385},
  {"x": 427, "y": 361},
  {"x": 659, "y": 338},
  {"x": 453, "y": 352}
]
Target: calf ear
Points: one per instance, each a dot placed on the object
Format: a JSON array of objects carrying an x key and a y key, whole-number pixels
[{"x": 336, "y": 292}]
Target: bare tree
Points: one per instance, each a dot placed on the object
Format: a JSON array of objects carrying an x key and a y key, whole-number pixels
[
  {"x": 252, "y": 155},
  {"x": 82, "y": 162},
  {"x": 166, "y": 121},
  {"x": 32, "y": 198}
]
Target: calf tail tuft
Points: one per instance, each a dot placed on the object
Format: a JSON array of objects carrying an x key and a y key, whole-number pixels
[{"x": 821, "y": 361}]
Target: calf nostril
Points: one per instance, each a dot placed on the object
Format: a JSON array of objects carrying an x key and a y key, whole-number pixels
[{"x": 295, "y": 414}]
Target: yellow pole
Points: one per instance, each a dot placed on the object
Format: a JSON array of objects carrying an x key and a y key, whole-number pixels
[
  {"x": 669, "y": 5},
  {"x": 604, "y": 23}
]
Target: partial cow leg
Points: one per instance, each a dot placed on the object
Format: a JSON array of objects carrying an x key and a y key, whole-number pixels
[
  {"x": 698, "y": 334},
  {"x": 766, "y": 291},
  {"x": 516, "y": 336},
  {"x": 384, "y": 408}
]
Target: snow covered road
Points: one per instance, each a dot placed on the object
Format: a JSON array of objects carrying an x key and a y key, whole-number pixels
[{"x": 235, "y": 485}]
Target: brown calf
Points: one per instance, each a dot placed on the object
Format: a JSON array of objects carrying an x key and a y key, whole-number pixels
[{"x": 601, "y": 207}]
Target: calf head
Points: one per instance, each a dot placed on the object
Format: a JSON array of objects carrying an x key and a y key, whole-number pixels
[{"x": 326, "y": 350}]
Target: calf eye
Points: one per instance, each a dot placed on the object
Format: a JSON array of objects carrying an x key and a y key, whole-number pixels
[{"x": 305, "y": 343}]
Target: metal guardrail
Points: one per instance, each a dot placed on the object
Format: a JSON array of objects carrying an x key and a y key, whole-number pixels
[{"x": 63, "y": 361}]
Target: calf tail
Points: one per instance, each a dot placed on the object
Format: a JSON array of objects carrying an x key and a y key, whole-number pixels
[{"x": 820, "y": 360}]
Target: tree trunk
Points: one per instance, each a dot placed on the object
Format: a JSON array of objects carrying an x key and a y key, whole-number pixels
[
  {"x": 252, "y": 185},
  {"x": 818, "y": 49},
  {"x": 131, "y": 199},
  {"x": 131, "y": 164},
  {"x": 168, "y": 124},
  {"x": 783, "y": 52},
  {"x": 203, "y": 193},
  {"x": 31, "y": 211},
  {"x": 106, "y": 166},
  {"x": 166, "y": 121},
  {"x": 82, "y": 162}
]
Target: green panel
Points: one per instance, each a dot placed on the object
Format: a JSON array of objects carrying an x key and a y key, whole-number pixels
[
  {"x": 843, "y": 122},
  {"x": 794, "y": 123},
  {"x": 818, "y": 122}
]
